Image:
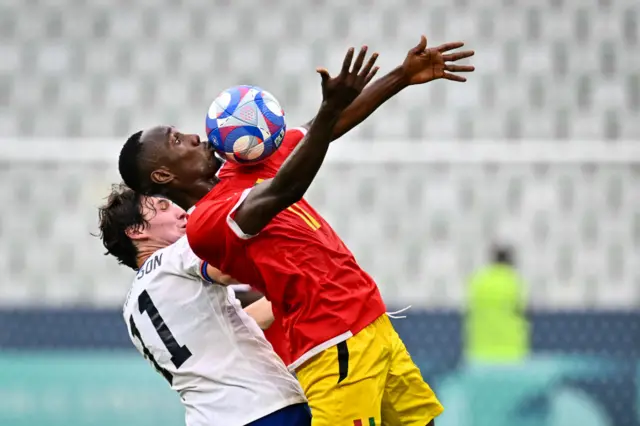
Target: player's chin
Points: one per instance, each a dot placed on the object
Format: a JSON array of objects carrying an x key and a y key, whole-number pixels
[{"x": 211, "y": 172}]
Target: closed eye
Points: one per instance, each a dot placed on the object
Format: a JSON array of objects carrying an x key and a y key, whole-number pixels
[{"x": 164, "y": 204}]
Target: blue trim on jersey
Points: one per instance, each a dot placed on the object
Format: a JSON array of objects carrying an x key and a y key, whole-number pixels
[
  {"x": 203, "y": 272},
  {"x": 293, "y": 415}
]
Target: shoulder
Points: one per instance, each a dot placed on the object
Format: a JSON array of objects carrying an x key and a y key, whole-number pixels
[
  {"x": 291, "y": 138},
  {"x": 208, "y": 212},
  {"x": 152, "y": 272},
  {"x": 209, "y": 223}
]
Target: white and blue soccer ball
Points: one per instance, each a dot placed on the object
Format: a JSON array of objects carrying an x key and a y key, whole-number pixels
[{"x": 245, "y": 124}]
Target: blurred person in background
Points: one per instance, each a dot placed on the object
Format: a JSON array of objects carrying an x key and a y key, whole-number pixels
[
  {"x": 190, "y": 327},
  {"x": 496, "y": 326}
]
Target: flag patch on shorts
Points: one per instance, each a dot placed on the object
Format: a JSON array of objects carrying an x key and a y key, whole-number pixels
[{"x": 358, "y": 422}]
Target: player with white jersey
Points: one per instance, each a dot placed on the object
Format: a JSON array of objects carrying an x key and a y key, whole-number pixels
[{"x": 192, "y": 329}]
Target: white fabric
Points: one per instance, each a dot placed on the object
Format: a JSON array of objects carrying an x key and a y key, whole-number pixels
[
  {"x": 240, "y": 288},
  {"x": 232, "y": 223},
  {"x": 232, "y": 376}
]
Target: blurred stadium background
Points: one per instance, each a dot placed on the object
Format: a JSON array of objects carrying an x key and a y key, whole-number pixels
[{"x": 539, "y": 150}]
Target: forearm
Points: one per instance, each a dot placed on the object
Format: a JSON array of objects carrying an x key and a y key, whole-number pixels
[
  {"x": 218, "y": 277},
  {"x": 302, "y": 165},
  {"x": 269, "y": 198},
  {"x": 261, "y": 312},
  {"x": 260, "y": 204},
  {"x": 376, "y": 94}
]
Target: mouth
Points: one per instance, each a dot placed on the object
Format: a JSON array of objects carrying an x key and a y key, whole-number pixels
[
  {"x": 206, "y": 146},
  {"x": 213, "y": 159},
  {"x": 209, "y": 152}
]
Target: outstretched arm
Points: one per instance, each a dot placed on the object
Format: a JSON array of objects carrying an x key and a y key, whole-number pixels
[
  {"x": 265, "y": 200},
  {"x": 370, "y": 100},
  {"x": 420, "y": 66}
]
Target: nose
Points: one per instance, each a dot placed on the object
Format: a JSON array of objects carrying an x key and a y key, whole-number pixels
[
  {"x": 194, "y": 140},
  {"x": 183, "y": 216}
]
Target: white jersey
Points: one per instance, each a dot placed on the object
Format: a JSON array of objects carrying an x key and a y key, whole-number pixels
[{"x": 200, "y": 339}]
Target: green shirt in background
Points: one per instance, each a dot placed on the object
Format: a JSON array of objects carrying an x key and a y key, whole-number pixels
[{"x": 495, "y": 325}]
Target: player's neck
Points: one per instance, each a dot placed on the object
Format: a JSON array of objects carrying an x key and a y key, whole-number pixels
[
  {"x": 145, "y": 251},
  {"x": 188, "y": 199}
]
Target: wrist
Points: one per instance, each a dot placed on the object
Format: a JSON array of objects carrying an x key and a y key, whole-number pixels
[
  {"x": 328, "y": 111},
  {"x": 400, "y": 78}
]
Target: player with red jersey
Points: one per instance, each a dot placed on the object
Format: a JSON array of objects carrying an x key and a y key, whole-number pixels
[
  {"x": 302, "y": 250},
  {"x": 351, "y": 363},
  {"x": 300, "y": 264}
]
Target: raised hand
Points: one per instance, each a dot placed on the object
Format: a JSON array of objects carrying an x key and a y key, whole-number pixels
[
  {"x": 338, "y": 92},
  {"x": 424, "y": 64}
]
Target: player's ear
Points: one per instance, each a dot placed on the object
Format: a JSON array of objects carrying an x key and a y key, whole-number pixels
[
  {"x": 134, "y": 232},
  {"x": 162, "y": 176}
]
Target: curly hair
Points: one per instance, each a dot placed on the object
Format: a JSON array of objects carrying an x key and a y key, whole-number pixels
[{"x": 122, "y": 211}]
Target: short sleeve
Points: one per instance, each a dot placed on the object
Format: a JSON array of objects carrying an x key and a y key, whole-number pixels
[
  {"x": 211, "y": 229},
  {"x": 192, "y": 265}
]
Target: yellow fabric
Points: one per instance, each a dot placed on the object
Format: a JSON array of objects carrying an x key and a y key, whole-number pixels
[
  {"x": 382, "y": 383},
  {"x": 496, "y": 328}
]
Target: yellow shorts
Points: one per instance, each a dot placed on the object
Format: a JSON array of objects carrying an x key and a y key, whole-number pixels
[{"x": 368, "y": 380}]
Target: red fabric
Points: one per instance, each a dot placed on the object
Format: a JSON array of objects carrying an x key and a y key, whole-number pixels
[
  {"x": 277, "y": 336},
  {"x": 297, "y": 261}
]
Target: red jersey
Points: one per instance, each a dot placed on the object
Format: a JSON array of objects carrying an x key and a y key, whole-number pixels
[
  {"x": 277, "y": 336},
  {"x": 297, "y": 261}
]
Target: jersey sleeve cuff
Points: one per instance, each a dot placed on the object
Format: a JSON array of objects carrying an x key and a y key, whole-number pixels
[
  {"x": 232, "y": 223},
  {"x": 302, "y": 130},
  {"x": 204, "y": 273}
]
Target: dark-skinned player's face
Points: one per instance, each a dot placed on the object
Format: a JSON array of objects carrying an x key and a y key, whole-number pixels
[{"x": 178, "y": 158}]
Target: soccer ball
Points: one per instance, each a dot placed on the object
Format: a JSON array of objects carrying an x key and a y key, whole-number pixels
[{"x": 245, "y": 124}]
